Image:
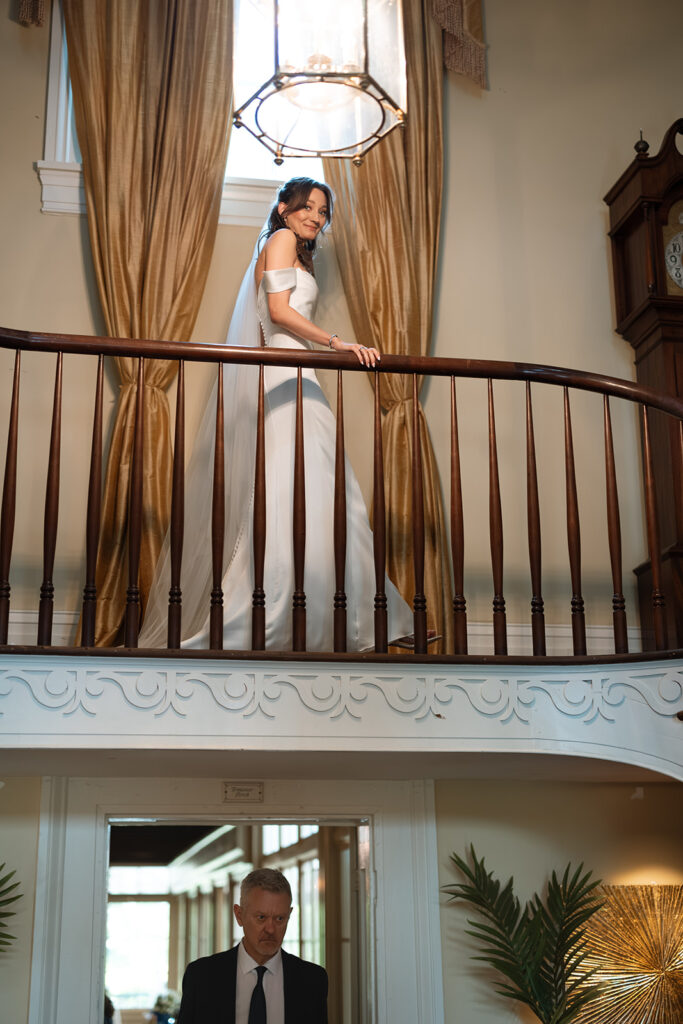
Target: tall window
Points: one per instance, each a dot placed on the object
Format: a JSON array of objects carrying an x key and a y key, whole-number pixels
[
  {"x": 247, "y": 158},
  {"x": 251, "y": 175},
  {"x": 294, "y": 849},
  {"x": 138, "y": 933}
]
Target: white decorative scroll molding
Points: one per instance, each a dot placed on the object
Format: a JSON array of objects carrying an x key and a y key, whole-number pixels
[{"x": 620, "y": 712}]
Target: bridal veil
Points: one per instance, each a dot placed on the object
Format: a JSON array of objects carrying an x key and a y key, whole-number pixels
[{"x": 240, "y": 396}]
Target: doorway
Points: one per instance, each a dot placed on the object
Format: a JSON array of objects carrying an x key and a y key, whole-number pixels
[
  {"x": 403, "y": 983},
  {"x": 171, "y": 889}
]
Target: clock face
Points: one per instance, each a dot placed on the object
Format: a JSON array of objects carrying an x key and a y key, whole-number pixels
[{"x": 673, "y": 259}]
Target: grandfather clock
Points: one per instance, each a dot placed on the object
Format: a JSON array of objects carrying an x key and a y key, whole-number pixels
[{"x": 646, "y": 229}]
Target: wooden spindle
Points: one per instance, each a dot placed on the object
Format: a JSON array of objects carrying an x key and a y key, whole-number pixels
[
  {"x": 379, "y": 531},
  {"x": 177, "y": 530},
  {"x": 678, "y": 477},
  {"x": 339, "y": 525},
  {"x": 299, "y": 524},
  {"x": 218, "y": 523},
  {"x": 92, "y": 528},
  {"x": 419, "y": 601},
  {"x": 614, "y": 538},
  {"x": 534, "y": 531},
  {"x": 573, "y": 534},
  {"x": 132, "y": 619},
  {"x": 658, "y": 602},
  {"x": 9, "y": 503},
  {"x": 258, "y": 605},
  {"x": 47, "y": 590},
  {"x": 457, "y": 536},
  {"x": 500, "y": 640}
]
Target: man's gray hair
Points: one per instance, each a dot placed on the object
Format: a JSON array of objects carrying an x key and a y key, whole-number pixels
[{"x": 264, "y": 878}]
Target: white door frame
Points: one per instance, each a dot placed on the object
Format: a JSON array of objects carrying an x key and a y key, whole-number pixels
[{"x": 71, "y": 891}]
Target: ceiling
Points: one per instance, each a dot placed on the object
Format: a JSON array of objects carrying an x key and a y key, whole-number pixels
[
  {"x": 152, "y": 845},
  {"x": 274, "y": 764}
]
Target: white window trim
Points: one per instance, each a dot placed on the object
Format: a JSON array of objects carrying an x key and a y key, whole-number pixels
[{"x": 244, "y": 202}]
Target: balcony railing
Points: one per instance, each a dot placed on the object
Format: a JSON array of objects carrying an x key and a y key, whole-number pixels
[{"x": 650, "y": 404}]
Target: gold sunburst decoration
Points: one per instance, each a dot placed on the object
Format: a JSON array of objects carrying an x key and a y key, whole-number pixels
[{"x": 636, "y": 949}]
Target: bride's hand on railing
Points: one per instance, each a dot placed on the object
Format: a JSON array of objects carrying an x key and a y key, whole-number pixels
[{"x": 366, "y": 356}]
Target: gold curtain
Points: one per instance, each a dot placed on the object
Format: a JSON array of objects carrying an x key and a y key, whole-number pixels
[
  {"x": 152, "y": 88},
  {"x": 386, "y": 231}
]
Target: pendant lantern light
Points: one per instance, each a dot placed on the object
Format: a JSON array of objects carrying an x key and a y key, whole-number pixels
[{"x": 332, "y": 71}]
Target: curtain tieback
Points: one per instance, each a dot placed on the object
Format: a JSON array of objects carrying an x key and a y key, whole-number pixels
[
  {"x": 391, "y": 405},
  {"x": 133, "y": 384}
]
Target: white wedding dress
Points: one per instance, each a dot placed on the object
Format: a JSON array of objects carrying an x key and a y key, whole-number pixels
[{"x": 319, "y": 458}]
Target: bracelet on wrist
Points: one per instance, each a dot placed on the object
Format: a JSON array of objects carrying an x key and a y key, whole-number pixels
[{"x": 331, "y": 339}]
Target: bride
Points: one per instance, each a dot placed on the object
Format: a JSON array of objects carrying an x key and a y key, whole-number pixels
[{"x": 278, "y": 298}]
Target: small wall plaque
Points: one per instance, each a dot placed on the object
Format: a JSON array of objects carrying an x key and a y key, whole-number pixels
[{"x": 242, "y": 792}]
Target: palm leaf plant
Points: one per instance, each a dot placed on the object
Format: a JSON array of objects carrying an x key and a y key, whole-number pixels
[
  {"x": 5, "y": 899},
  {"x": 539, "y": 948}
]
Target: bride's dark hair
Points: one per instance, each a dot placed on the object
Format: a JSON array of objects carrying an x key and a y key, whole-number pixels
[{"x": 294, "y": 194}]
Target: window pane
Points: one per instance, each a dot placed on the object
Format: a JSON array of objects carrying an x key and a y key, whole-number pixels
[
  {"x": 289, "y": 834},
  {"x": 270, "y": 839},
  {"x": 249, "y": 159},
  {"x": 143, "y": 881},
  {"x": 291, "y": 943},
  {"x": 310, "y": 911},
  {"x": 137, "y": 953},
  {"x": 253, "y": 65}
]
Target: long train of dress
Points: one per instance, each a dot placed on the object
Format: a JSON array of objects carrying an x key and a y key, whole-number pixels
[{"x": 319, "y": 456}]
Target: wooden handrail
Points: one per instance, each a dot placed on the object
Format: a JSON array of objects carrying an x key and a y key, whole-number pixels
[
  {"x": 416, "y": 525},
  {"x": 435, "y": 366}
]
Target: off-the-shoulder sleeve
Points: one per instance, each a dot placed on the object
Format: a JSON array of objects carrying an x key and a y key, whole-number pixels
[{"x": 279, "y": 280}]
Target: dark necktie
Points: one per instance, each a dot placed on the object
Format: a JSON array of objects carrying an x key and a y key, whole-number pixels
[{"x": 257, "y": 1006}]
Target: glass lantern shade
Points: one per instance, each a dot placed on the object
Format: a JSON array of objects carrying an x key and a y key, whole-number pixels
[{"x": 328, "y": 76}]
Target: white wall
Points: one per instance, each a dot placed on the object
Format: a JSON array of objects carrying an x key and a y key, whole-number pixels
[
  {"x": 626, "y": 835},
  {"x": 525, "y": 268},
  {"x": 19, "y": 817}
]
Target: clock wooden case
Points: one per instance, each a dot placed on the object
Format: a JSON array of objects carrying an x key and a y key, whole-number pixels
[{"x": 646, "y": 230}]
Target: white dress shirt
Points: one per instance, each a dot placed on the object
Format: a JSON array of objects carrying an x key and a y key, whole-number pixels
[{"x": 273, "y": 987}]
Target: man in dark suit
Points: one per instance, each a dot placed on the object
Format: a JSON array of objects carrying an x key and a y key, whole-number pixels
[{"x": 256, "y": 982}]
